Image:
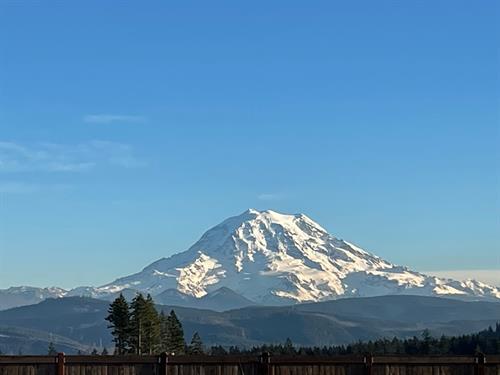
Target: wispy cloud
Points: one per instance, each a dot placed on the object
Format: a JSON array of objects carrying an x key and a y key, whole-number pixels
[
  {"x": 272, "y": 196},
  {"x": 108, "y": 119},
  {"x": 55, "y": 157},
  {"x": 491, "y": 277}
]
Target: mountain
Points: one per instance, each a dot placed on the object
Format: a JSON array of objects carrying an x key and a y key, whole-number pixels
[
  {"x": 221, "y": 299},
  {"x": 406, "y": 309},
  {"x": 274, "y": 259},
  {"x": 14, "y": 340},
  {"x": 25, "y": 295},
  {"x": 76, "y": 322},
  {"x": 268, "y": 258},
  {"x": 78, "y": 319}
]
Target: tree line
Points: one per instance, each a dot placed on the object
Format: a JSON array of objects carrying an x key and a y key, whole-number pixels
[
  {"x": 486, "y": 342},
  {"x": 138, "y": 328}
]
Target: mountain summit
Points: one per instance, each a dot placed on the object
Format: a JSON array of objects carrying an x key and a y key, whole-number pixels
[{"x": 273, "y": 258}]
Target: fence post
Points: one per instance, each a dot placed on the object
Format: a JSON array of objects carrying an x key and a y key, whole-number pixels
[
  {"x": 60, "y": 363},
  {"x": 265, "y": 361},
  {"x": 163, "y": 364},
  {"x": 480, "y": 362},
  {"x": 368, "y": 364}
]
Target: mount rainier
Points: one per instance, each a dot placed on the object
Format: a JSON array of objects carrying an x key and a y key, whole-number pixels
[{"x": 270, "y": 258}]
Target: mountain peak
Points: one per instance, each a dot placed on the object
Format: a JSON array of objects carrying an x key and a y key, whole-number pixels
[
  {"x": 274, "y": 217},
  {"x": 276, "y": 258}
]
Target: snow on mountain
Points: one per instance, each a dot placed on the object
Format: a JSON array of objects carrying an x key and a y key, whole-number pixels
[
  {"x": 272, "y": 258},
  {"x": 27, "y": 295},
  {"x": 268, "y": 258}
]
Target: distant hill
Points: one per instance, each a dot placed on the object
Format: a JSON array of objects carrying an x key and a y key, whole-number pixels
[
  {"x": 78, "y": 319},
  {"x": 81, "y": 321},
  {"x": 221, "y": 299},
  {"x": 16, "y": 340},
  {"x": 407, "y": 309}
]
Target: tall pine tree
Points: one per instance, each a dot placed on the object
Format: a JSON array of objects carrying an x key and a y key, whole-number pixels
[
  {"x": 151, "y": 339},
  {"x": 119, "y": 319},
  {"x": 175, "y": 335},
  {"x": 137, "y": 323},
  {"x": 164, "y": 333}
]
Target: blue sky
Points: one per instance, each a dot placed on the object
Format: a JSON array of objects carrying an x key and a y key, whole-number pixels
[{"x": 129, "y": 128}]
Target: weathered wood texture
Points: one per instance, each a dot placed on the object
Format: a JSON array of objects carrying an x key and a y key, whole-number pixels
[{"x": 245, "y": 365}]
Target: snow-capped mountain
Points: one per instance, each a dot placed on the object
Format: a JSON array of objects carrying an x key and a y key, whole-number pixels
[
  {"x": 26, "y": 295},
  {"x": 271, "y": 258}
]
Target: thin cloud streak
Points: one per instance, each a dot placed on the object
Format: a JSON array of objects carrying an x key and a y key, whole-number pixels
[
  {"x": 54, "y": 157},
  {"x": 108, "y": 119}
]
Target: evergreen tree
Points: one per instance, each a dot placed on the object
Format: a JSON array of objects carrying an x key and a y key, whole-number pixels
[
  {"x": 234, "y": 350},
  {"x": 104, "y": 352},
  {"x": 51, "y": 349},
  {"x": 196, "y": 346},
  {"x": 94, "y": 352},
  {"x": 145, "y": 326},
  {"x": 164, "y": 334},
  {"x": 119, "y": 319},
  {"x": 152, "y": 327},
  {"x": 137, "y": 324},
  {"x": 218, "y": 350},
  {"x": 175, "y": 335},
  {"x": 288, "y": 348},
  {"x": 425, "y": 345}
]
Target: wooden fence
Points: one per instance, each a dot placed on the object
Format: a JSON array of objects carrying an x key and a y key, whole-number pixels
[{"x": 246, "y": 365}]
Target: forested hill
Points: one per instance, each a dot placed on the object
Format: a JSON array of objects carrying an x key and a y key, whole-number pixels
[
  {"x": 486, "y": 342},
  {"x": 79, "y": 323}
]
